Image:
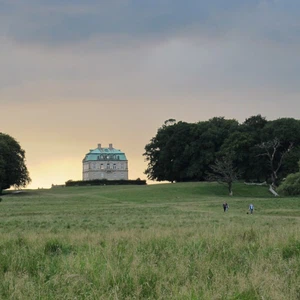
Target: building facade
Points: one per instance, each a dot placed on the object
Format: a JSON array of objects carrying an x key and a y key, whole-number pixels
[{"x": 105, "y": 163}]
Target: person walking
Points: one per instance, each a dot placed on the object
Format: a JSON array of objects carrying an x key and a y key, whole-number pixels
[
  {"x": 225, "y": 206},
  {"x": 251, "y": 208}
]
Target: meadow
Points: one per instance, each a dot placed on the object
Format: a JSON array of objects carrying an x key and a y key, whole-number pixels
[{"x": 165, "y": 241}]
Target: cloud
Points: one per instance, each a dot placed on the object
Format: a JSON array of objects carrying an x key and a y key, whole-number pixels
[
  {"x": 127, "y": 49},
  {"x": 134, "y": 23},
  {"x": 60, "y": 22}
]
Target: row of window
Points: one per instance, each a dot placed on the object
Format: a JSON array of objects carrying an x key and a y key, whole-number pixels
[
  {"x": 111, "y": 156},
  {"x": 109, "y": 166}
]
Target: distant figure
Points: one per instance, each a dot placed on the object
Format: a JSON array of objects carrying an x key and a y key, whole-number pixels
[
  {"x": 225, "y": 206},
  {"x": 251, "y": 208}
]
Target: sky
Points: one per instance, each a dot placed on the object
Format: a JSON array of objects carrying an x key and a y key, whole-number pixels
[{"x": 77, "y": 73}]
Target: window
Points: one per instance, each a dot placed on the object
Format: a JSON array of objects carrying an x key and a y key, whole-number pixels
[
  {"x": 114, "y": 166},
  {"x": 101, "y": 167},
  {"x": 122, "y": 166},
  {"x": 107, "y": 166}
]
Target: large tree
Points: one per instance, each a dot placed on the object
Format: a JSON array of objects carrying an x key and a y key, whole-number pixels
[
  {"x": 275, "y": 154},
  {"x": 224, "y": 171},
  {"x": 183, "y": 151},
  {"x": 243, "y": 142},
  {"x": 280, "y": 142},
  {"x": 167, "y": 153},
  {"x": 13, "y": 170}
]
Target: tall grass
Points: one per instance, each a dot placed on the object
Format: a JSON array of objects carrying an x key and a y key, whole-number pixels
[{"x": 156, "y": 242}]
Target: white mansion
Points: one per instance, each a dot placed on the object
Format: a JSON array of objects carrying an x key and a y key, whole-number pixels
[{"x": 105, "y": 163}]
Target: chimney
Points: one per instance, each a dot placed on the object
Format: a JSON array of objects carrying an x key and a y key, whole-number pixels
[
  {"x": 99, "y": 146},
  {"x": 110, "y": 146}
]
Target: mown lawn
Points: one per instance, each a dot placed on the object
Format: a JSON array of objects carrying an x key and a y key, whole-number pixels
[{"x": 168, "y": 241}]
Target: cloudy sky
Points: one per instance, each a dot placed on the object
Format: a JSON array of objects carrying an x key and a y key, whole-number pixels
[{"x": 75, "y": 73}]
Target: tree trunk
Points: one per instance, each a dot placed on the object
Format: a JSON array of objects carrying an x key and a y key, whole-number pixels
[
  {"x": 230, "y": 188},
  {"x": 274, "y": 178},
  {"x": 273, "y": 191}
]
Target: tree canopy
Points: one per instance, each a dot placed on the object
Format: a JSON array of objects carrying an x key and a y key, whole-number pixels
[
  {"x": 182, "y": 151},
  {"x": 13, "y": 170}
]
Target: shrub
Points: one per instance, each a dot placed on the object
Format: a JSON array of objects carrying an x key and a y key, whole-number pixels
[
  {"x": 105, "y": 182},
  {"x": 291, "y": 185}
]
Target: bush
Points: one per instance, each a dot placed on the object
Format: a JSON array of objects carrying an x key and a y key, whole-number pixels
[
  {"x": 105, "y": 182},
  {"x": 291, "y": 185}
]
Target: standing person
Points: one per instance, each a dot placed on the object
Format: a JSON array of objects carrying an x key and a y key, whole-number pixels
[
  {"x": 225, "y": 206},
  {"x": 251, "y": 208}
]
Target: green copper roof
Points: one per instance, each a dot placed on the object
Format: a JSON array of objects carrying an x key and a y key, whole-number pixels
[{"x": 105, "y": 154}]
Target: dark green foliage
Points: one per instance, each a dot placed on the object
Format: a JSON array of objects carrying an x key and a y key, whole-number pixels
[
  {"x": 291, "y": 185},
  {"x": 13, "y": 170},
  {"x": 183, "y": 151},
  {"x": 105, "y": 182}
]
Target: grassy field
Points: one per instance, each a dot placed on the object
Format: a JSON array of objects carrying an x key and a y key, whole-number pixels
[{"x": 169, "y": 241}]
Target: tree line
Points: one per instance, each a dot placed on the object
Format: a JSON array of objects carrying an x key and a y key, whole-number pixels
[
  {"x": 256, "y": 150},
  {"x": 259, "y": 150}
]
